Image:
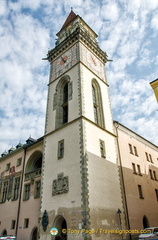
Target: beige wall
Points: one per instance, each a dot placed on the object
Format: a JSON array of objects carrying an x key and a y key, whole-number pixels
[{"x": 137, "y": 207}]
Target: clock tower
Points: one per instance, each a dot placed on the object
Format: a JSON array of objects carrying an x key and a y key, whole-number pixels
[{"x": 81, "y": 188}]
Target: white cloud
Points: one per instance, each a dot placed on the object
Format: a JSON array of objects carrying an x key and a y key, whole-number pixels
[
  {"x": 110, "y": 11},
  {"x": 154, "y": 22},
  {"x": 125, "y": 30}
]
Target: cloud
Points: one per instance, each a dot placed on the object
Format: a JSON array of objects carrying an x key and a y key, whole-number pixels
[{"x": 127, "y": 31}]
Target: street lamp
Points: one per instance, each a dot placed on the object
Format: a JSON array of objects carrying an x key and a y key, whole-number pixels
[{"x": 119, "y": 215}]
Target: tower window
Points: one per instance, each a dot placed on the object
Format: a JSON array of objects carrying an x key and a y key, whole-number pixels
[
  {"x": 62, "y": 96},
  {"x": 102, "y": 149},
  {"x": 65, "y": 103},
  {"x": 97, "y": 104},
  {"x": 61, "y": 149},
  {"x": 26, "y": 222}
]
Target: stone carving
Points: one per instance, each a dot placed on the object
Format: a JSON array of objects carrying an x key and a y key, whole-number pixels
[{"x": 60, "y": 185}]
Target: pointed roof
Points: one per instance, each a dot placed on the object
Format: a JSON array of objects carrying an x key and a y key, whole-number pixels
[{"x": 71, "y": 16}]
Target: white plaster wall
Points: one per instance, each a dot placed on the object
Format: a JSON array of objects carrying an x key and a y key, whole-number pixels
[
  {"x": 87, "y": 77},
  {"x": 73, "y": 103},
  {"x": 69, "y": 165}
]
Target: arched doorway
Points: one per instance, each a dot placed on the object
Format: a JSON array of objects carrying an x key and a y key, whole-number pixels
[
  {"x": 4, "y": 232},
  {"x": 145, "y": 222},
  {"x": 34, "y": 234},
  {"x": 60, "y": 223}
]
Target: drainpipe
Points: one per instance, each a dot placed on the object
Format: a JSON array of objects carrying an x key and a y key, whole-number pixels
[
  {"x": 20, "y": 193},
  {"x": 122, "y": 180}
]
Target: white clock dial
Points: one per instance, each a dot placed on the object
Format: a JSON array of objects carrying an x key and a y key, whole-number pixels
[
  {"x": 92, "y": 62},
  {"x": 64, "y": 62}
]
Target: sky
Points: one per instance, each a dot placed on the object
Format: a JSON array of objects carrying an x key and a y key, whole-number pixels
[{"x": 128, "y": 32}]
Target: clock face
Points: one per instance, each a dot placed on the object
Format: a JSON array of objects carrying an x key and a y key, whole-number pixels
[
  {"x": 64, "y": 62},
  {"x": 93, "y": 63}
]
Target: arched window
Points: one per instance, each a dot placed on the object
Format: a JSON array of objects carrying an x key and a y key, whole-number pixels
[
  {"x": 65, "y": 103},
  {"x": 97, "y": 104},
  {"x": 33, "y": 166},
  {"x": 62, "y": 97}
]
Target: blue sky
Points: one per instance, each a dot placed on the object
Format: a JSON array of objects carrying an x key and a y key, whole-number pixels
[{"x": 128, "y": 32}]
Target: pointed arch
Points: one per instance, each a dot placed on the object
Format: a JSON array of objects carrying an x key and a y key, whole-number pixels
[
  {"x": 62, "y": 97},
  {"x": 34, "y": 233},
  {"x": 4, "y": 232},
  {"x": 60, "y": 223},
  {"x": 97, "y": 104}
]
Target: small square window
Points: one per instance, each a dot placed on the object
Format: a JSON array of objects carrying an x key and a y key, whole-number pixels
[
  {"x": 26, "y": 222},
  {"x": 147, "y": 157},
  {"x": 134, "y": 168},
  {"x": 155, "y": 177},
  {"x": 150, "y": 158},
  {"x": 139, "y": 170},
  {"x": 151, "y": 174},
  {"x": 61, "y": 149},
  {"x": 7, "y": 166},
  {"x": 135, "y": 151},
  {"x": 140, "y": 192},
  {"x": 130, "y": 148},
  {"x": 13, "y": 224},
  {"x": 18, "y": 163}
]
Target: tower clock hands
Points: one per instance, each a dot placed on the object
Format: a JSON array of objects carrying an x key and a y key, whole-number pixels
[{"x": 64, "y": 60}]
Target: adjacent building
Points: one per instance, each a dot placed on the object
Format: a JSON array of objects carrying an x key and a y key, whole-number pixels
[
  {"x": 86, "y": 173},
  {"x": 20, "y": 189},
  {"x": 154, "y": 85},
  {"x": 138, "y": 161}
]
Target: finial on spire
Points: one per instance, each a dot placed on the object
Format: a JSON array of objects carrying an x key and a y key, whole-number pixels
[{"x": 71, "y": 9}]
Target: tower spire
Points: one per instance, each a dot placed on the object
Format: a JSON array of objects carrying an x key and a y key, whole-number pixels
[{"x": 71, "y": 16}]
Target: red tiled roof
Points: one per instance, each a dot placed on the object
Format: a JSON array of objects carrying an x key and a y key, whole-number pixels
[{"x": 71, "y": 16}]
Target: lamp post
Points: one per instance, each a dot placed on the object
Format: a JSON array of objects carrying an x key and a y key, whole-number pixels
[{"x": 120, "y": 223}]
